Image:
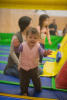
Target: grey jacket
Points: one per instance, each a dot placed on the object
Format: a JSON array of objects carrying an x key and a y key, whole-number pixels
[{"x": 13, "y": 56}]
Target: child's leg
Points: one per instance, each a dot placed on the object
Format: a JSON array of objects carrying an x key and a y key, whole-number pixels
[
  {"x": 36, "y": 79},
  {"x": 24, "y": 81}
]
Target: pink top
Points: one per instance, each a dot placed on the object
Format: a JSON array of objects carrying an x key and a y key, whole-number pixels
[{"x": 29, "y": 58}]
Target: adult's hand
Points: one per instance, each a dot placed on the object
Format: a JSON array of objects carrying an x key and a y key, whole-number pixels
[{"x": 16, "y": 42}]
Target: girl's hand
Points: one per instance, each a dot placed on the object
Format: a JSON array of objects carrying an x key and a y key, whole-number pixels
[{"x": 47, "y": 52}]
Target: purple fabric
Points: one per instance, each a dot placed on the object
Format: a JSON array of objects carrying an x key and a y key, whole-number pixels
[
  {"x": 20, "y": 48},
  {"x": 41, "y": 51},
  {"x": 16, "y": 49}
]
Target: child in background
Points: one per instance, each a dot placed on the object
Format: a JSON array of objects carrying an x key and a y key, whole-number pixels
[
  {"x": 43, "y": 30},
  {"x": 28, "y": 61}
]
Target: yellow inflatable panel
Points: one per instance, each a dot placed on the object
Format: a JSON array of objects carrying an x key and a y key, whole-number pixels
[
  {"x": 49, "y": 69},
  {"x": 52, "y": 68},
  {"x": 34, "y": 4},
  {"x": 62, "y": 43}
]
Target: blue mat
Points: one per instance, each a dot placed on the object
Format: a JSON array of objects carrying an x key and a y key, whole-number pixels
[
  {"x": 4, "y": 46},
  {"x": 44, "y": 80},
  {"x": 2, "y": 58},
  {"x": 2, "y": 66},
  {"x": 4, "y": 53},
  {"x": 4, "y": 49},
  {"x": 12, "y": 89}
]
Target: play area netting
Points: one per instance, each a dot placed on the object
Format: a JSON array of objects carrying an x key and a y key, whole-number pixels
[{"x": 10, "y": 84}]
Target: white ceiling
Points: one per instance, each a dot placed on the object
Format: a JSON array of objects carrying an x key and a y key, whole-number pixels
[{"x": 53, "y": 12}]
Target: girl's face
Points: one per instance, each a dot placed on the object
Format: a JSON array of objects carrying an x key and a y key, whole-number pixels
[
  {"x": 45, "y": 22},
  {"x": 32, "y": 39}
]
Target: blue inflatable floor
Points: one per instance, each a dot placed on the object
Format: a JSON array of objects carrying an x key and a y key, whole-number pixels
[
  {"x": 46, "y": 82},
  {"x": 14, "y": 89}
]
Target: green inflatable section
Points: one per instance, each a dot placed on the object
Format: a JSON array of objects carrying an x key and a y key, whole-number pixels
[
  {"x": 5, "y": 39},
  {"x": 55, "y": 41}
]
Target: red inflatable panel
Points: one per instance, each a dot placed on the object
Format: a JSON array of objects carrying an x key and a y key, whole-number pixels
[{"x": 61, "y": 78}]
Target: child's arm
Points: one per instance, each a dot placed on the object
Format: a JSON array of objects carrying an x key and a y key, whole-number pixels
[
  {"x": 48, "y": 36},
  {"x": 43, "y": 52}
]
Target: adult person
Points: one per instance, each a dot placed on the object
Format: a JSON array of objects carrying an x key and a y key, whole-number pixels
[
  {"x": 53, "y": 27},
  {"x": 12, "y": 66},
  {"x": 65, "y": 30},
  {"x": 43, "y": 29}
]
